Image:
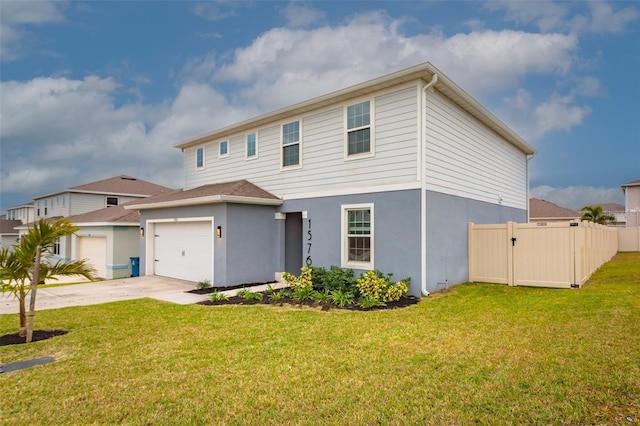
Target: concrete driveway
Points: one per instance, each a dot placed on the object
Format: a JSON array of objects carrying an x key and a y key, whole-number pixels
[{"x": 167, "y": 289}]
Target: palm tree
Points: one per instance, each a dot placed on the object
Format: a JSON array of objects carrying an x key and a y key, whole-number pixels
[
  {"x": 28, "y": 262},
  {"x": 596, "y": 214}
]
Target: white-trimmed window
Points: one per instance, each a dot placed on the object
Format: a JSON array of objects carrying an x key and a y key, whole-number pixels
[
  {"x": 223, "y": 149},
  {"x": 358, "y": 141},
  {"x": 112, "y": 201},
  {"x": 252, "y": 146},
  {"x": 200, "y": 158},
  {"x": 291, "y": 144},
  {"x": 56, "y": 247},
  {"x": 357, "y": 236}
]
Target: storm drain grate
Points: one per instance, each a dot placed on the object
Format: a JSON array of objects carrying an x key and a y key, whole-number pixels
[{"x": 7, "y": 368}]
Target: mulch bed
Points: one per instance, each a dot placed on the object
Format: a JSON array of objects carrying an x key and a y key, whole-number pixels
[
  {"x": 402, "y": 303},
  {"x": 209, "y": 290},
  {"x": 15, "y": 339}
]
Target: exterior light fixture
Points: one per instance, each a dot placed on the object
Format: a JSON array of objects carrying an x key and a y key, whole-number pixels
[
  {"x": 219, "y": 232},
  {"x": 141, "y": 231}
]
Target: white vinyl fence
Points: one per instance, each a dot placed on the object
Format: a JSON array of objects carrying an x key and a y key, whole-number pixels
[
  {"x": 562, "y": 255},
  {"x": 629, "y": 239}
]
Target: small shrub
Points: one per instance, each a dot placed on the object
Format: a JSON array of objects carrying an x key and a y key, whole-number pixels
[
  {"x": 276, "y": 296},
  {"x": 373, "y": 284},
  {"x": 218, "y": 296},
  {"x": 302, "y": 293},
  {"x": 269, "y": 289},
  {"x": 321, "y": 297},
  {"x": 397, "y": 290},
  {"x": 342, "y": 298},
  {"x": 247, "y": 294},
  {"x": 340, "y": 279},
  {"x": 203, "y": 284},
  {"x": 370, "y": 302}
]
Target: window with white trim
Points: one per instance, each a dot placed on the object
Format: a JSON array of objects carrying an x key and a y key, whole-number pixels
[
  {"x": 359, "y": 128},
  {"x": 112, "y": 201},
  {"x": 200, "y": 158},
  {"x": 291, "y": 144},
  {"x": 357, "y": 231},
  {"x": 223, "y": 149},
  {"x": 56, "y": 247},
  {"x": 252, "y": 145}
]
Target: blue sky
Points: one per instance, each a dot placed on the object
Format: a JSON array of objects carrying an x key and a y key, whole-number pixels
[{"x": 91, "y": 90}]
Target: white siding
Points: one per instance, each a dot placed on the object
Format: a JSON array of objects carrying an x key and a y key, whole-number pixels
[
  {"x": 323, "y": 151},
  {"x": 466, "y": 159}
]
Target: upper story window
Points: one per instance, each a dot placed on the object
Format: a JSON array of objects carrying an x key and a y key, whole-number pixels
[
  {"x": 357, "y": 234},
  {"x": 291, "y": 144},
  {"x": 359, "y": 128},
  {"x": 112, "y": 201},
  {"x": 200, "y": 157},
  {"x": 223, "y": 149},
  {"x": 252, "y": 145}
]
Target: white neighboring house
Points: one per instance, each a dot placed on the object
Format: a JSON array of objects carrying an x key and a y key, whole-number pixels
[
  {"x": 9, "y": 235},
  {"x": 632, "y": 203},
  {"x": 382, "y": 175},
  {"x": 78, "y": 202},
  {"x": 19, "y": 215}
]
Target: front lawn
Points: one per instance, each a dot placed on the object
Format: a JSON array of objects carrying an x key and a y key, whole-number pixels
[{"x": 482, "y": 353}]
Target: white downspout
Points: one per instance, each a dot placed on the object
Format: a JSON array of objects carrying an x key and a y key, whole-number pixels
[{"x": 423, "y": 189}]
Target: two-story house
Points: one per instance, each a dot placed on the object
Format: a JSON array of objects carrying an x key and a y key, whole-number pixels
[
  {"x": 382, "y": 175},
  {"x": 14, "y": 218},
  {"x": 632, "y": 203},
  {"x": 108, "y": 234}
]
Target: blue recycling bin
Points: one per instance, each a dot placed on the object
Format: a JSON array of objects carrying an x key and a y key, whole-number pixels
[{"x": 135, "y": 266}]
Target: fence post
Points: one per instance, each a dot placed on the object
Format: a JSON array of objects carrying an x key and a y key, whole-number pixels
[
  {"x": 471, "y": 254},
  {"x": 510, "y": 250}
]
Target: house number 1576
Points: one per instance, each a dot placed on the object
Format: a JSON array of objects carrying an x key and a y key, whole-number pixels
[{"x": 309, "y": 262}]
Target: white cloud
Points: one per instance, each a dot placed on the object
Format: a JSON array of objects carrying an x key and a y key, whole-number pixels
[
  {"x": 534, "y": 120},
  {"x": 283, "y": 66},
  {"x": 576, "y": 197},
  {"x": 14, "y": 40},
  {"x": 301, "y": 14},
  {"x": 577, "y": 17},
  {"x": 217, "y": 10}
]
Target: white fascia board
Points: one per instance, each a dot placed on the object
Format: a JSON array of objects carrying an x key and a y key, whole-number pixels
[{"x": 212, "y": 199}]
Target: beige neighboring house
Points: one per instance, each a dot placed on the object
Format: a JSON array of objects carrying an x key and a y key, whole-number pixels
[
  {"x": 546, "y": 211},
  {"x": 617, "y": 211},
  {"x": 8, "y": 234},
  {"x": 108, "y": 238},
  {"x": 631, "y": 192},
  {"x": 99, "y": 238}
]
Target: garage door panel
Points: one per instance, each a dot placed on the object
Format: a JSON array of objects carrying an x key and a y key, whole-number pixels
[
  {"x": 184, "y": 250},
  {"x": 94, "y": 249}
]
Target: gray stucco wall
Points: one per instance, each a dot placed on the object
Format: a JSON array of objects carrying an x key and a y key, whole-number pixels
[
  {"x": 447, "y": 234},
  {"x": 396, "y": 231},
  {"x": 252, "y": 238}
]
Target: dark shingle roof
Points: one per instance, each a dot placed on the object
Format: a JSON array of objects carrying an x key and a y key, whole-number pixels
[
  {"x": 115, "y": 214},
  {"x": 541, "y": 209},
  {"x": 122, "y": 185},
  {"x": 240, "y": 188}
]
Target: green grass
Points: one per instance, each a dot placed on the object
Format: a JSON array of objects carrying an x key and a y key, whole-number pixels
[{"x": 480, "y": 354}]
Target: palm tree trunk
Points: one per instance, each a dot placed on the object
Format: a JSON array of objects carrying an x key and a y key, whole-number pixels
[
  {"x": 22, "y": 331},
  {"x": 32, "y": 298}
]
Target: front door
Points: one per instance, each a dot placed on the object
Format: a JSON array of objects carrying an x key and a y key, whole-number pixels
[{"x": 293, "y": 243}]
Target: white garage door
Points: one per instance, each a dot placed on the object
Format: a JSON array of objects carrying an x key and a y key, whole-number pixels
[
  {"x": 94, "y": 249},
  {"x": 184, "y": 250}
]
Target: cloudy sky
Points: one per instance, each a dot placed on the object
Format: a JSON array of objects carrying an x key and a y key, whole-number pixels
[{"x": 91, "y": 90}]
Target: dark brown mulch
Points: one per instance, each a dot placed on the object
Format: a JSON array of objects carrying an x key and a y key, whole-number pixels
[
  {"x": 209, "y": 290},
  {"x": 15, "y": 339},
  {"x": 402, "y": 303}
]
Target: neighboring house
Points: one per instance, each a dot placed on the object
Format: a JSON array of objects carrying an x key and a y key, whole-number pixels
[
  {"x": 108, "y": 238},
  {"x": 381, "y": 175},
  {"x": 91, "y": 197},
  {"x": 632, "y": 202},
  {"x": 546, "y": 211},
  {"x": 24, "y": 213},
  {"x": 617, "y": 211},
  {"x": 9, "y": 236}
]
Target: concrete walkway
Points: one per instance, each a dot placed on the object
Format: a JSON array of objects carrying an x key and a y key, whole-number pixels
[{"x": 160, "y": 288}]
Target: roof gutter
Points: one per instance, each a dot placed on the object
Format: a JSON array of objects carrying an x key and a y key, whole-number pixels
[{"x": 423, "y": 189}]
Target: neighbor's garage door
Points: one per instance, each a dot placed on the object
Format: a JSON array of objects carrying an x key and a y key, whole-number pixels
[
  {"x": 184, "y": 250},
  {"x": 94, "y": 249}
]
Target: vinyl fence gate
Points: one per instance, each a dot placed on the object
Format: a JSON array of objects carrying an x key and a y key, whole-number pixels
[{"x": 561, "y": 255}]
